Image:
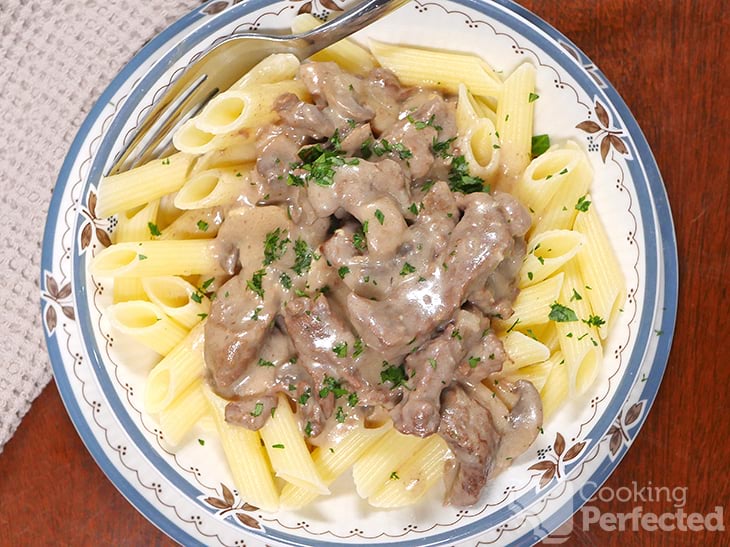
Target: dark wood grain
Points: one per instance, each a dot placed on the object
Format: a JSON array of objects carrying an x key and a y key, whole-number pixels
[{"x": 669, "y": 60}]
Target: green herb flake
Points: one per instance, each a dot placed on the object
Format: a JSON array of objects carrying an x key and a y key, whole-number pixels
[
  {"x": 352, "y": 399},
  {"x": 196, "y": 297},
  {"x": 154, "y": 230},
  {"x": 166, "y": 161},
  {"x": 202, "y": 226},
  {"x": 340, "y": 349},
  {"x": 342, "y": 271},
  {"x": 540, "y": 144},
  {"x": 582, "y": 204},
  {"x": 274, "y": 246},
  {"x": 265, "y": 363},
  {"x": 303, "y": 254},
  {"x": 304, "y": 397},
  {"x": 257, "y": 410},
  {"x": 142, "y": 257},
  {"x": 201, "y": 442},
  {"x": 532, "y": 97},
  {"x": 441, "y": 148},
  {"x": 432, "y": 362},
  {"x": 461, "y": 181},
  {"x": 380, "y": 216},
  {"x": 561, "y": 314},
  {"x": 530, "y": 275},
  {"x": 255, "y": 283},
  {"x": 357, "y": 348},
  {"x": 359, "y": 240},
  {"x": 202, "y": 316},
  {"x": 255, "y": 314},
  {"x": 576, "y": 296},
  {"x": 278, "y": 445},
  {"x": 308, "y": 429},
  {"x": 394, "y": 476},
  {"x": 474, "y": 361},
  {"x": 396, "y": 375},
  {"x": 594, "y": 321},
  {"x": 407, "y": 269},
  {"x": 413, "y": 208},
  {"x": 330, "y": 385},
  {"x": 340, "y": 415}
]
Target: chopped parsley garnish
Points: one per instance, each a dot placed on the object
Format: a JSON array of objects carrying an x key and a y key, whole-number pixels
[
  {"x": 456, "y": 334},
  {"x": 254, "y": 283},
  {"x": 594, "y": 321},
  {"x": 319, "y": 162},
  {"x": 461, "y": 181},
  {"x": 358, "y": 238},
  {"x": 532, "y": 97},
  {"x": 166, "y": 161},
  {"x": 278, "y": 445},
  {"x": 257, "y": 410},
  {"x": 396, "y": 375},
  {"x": 308, "y": 429},
  {"x": 582, "y": 204},
  {"x": 530, "y": 275},
  {"x": 432, "y": 362},
  {"x": 142, "y": 257},
  {"x": 265, "y": 363},
  {"x": 303, "y": 255},
  {"x": 342, "y": 271},
  {"x": 384, "y": 146},
  {"x": 576, "y": 296},
  {"x": 380, "y": 216},
  {"x": 423, "y": 125},
  {"x": 441, "y": 148},
  {"x": 561, "y": 314},
  {"x": 202, "y": 316},
  {"x": 285, "y": 281},
  {"x": 352, "y": 399},
  {"x": 274, "y": 246},
  {"x": 357, "y": 349},
  {"x": 340, "y": 349},
  {"x": 196, "y": 297},
  {"x": 201, "y": 442},
  {"x": 540, "y": 144},
  {"x": 340, "y": 415},
  {"x": 154, "y": 230},
  {"x": 394, "y": 476},
  {"x": 513, "y": 325},
  {"x": 407, "y": 269},
  {"x": 202, "y": 226},
  {"x": 304, "y": 397},
  {"x": 413, "y": 208},
  {"x": 295, "y": 180},
  {"x": 330, "y": 385},
  {"x": 474, "y": 361},
  {"x": 255, "y": 314}
]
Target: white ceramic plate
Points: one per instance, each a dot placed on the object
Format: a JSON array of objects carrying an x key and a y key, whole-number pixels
[{"x": 101, "y": 379}]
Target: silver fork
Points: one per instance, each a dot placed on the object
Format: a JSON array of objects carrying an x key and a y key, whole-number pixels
[{"x": 223, "y": 64}]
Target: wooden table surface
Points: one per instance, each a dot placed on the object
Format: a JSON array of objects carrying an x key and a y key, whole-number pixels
[{"x": 669, "y": 60}]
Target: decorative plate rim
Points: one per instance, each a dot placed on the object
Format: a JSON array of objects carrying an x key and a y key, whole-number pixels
[{"x": 653, "y": 196}]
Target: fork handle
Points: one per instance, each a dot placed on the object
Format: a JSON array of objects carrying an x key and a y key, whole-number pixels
[{"x": 350, "y": 22}]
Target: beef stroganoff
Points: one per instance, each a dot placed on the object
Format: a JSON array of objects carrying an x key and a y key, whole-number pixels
[{"x": 368, "y": 265}]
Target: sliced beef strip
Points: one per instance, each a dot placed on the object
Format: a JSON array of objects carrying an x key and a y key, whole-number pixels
[
  {"x": 335, "y": 90},
  {"x": 470, "y": 433},
  {"x": 250, "y": 412},
  {"x": 417, "y": 306},
  {"x": 304, "y": 117}
]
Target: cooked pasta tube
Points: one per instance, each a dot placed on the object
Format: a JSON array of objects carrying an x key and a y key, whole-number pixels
[
  {"x": 156, "y": 258},
  {"x": 346, "y": 53},
  {"x": 332, "y": 460},
  {"x": 246, "y": 457},
  {"x": 578, "y": 337},
  {"x": 536, "y": 373},
  {"x": 547, "y": 252},
  {"x": 179, "y": 369},
  {"x": 477, "y": 139},
  {"x": 178, "y": 299},
  {"x": 374, "y": 468},
  {"x": 522, "y": 351},
  {"x": 288, "y": 451},
  {"x": 514, "y": 121},
  {"x": 239, "y": 151},
  {"x": 439, "y": 69},
  {"x": 546, "y": 174},
  {"x": 147, "y": 323},
  {"x": 189, "y": 138},
  {"x": 134, "y": 225},
  {"x": 183, "y": 413},
  {"x": 532, "y": 305},
  {"x": 223, "y": 186},
  {"x": 274, "y": 68},
  {"x": 142, "y": 184},
  {"x": 194, "y": 224},
  {"x": 605, "y": 286},
  {"x": 247, "y": 107},
  {"x": 555, "y": 390},
  {"x": 410, "y": 481}
]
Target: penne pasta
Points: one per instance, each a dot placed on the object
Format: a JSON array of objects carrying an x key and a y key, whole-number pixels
[
  {"x": 183, "y": 413},
  {"x": 288, "y": 452},
  {"x": 147, "y": 323},
  {"x": 604, "y": 284},
  {"x": 134, "y": 225},
  {"x": 532, "y": 305},
  {"x": 178, "y": 299},
  {"x": 240, "y": 150},
  {"x": 514, "y": 121},
  {"x": 332, "y": 460},
  {"x": 409, "y": 482},
  {"x": 547, "y": 252},
  {"x": 143, "y": 184},
  {"x": 194, "y": 224},
  {"x": 246, "y": 457},
  {"x": 157, "y": 258},
  {"x": 438, "y": 69},
  {"x": 522, "y": 351},
  {"x": 274, "y": 68},
  {"x": 537, "y": 374},
  {"x": 222, "y": 186},
  {"x": 176, "y": 372},
  {"x": 555, "y": 390},
  {"x": 477, "y": 139}
]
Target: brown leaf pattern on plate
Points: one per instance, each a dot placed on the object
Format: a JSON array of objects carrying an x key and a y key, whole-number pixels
[
  {"x": 318, "y": 8},
  {"x": 601, "y": 132},
  {"x": 229, "y": 505},
  {"x": 617, "y": 434},
  {"x": 56, "y": 297},
  {"x": 551, "y": 467},
  {"x": 94, "y": 226},
  {"x": 215, "y": 7}
]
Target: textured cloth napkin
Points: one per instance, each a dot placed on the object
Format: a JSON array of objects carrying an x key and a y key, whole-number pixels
[{"x": 56, "y": 58}]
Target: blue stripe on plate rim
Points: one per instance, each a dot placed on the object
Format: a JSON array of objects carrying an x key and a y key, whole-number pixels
[{"x": 653, "y": 204}]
